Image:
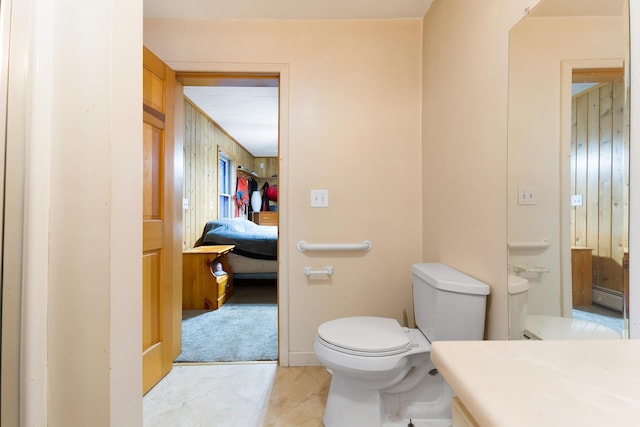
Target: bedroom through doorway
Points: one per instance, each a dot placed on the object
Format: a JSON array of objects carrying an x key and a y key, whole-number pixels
[{"x": 230, "y": 217}]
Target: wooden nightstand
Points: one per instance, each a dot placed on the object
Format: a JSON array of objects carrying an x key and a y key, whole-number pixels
[
  {"x": 265, "y": 218},
  {"x": 581, "y": 275},
  {"x": 201, "y": 289}
]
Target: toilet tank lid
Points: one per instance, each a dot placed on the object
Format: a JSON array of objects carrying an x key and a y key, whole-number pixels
[{"x": 445, "y": 278}]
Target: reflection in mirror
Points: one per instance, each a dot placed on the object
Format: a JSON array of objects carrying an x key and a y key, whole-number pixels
[
  {"x": 599, "y": 196},
  {"x": 568, "y": 172}
]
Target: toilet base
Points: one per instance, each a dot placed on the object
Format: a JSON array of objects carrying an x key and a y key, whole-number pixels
[
  {"x": 391, "y": 421},
  {"x": 426, "y": 404},
  {"x": 350, "y": 406}
]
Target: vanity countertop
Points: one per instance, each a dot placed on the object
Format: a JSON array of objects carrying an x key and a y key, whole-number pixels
[{"x": 544, "y": 383}]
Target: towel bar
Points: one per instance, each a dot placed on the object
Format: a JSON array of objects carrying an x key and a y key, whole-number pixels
[{"x": 304, "y": 246}]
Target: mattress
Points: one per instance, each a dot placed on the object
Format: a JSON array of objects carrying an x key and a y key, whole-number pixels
[
  {"x": 250, "y": 240},
  {"x": 242, "y": 265}
]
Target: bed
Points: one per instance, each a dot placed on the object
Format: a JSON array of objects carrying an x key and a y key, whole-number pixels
[{"x": 256, "y": 246}]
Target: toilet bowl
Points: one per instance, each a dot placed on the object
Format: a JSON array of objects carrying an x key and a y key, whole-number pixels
[
  {"x": 542, "y": 327},
  {"x": 381, "y": 372}
]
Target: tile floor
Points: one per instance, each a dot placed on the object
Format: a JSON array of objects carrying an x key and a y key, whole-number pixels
[{"x": 242, "y": 394}]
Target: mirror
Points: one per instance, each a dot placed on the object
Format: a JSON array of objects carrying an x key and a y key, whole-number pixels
[{"x": 568, "y": 174}]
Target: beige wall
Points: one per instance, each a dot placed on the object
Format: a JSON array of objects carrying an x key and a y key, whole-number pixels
[
  {"x": 80, "y": 388},
  {"x": 464, "y": 138},
  {"x": 536, "y": 155},
  {"x": 354, "y": 129},
  {"x": 75, "y": 167}
]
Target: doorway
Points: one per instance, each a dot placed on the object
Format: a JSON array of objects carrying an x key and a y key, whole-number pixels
[
  {"x": 599, "y": 170},
  {"x": 231, "y": 150}
]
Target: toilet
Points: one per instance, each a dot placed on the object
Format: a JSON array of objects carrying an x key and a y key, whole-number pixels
[
  {"x": 381, "y": 372},
  {"x": 518, "y": 297},
  {"x": 542, "y": 327}
]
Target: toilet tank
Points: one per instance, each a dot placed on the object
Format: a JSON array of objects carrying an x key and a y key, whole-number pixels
[{"x": 448, "y": 304}]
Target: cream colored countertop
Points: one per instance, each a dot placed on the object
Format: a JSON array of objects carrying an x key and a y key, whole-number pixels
[{"x": 544, "y": 383}]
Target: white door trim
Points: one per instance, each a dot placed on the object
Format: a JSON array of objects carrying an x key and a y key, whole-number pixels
[{"x": 283, "y": 175}]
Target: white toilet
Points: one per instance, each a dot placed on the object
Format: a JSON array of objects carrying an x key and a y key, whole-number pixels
[
  {"x": 382, "y": 373},
  {"x": 541, "y": 327},
  {"x": 518, "y": 297}
]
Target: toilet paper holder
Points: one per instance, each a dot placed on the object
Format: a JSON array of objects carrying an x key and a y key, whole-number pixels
[
  {"x": 328, "y": 270},
  {"x": 518, "y": 268}
]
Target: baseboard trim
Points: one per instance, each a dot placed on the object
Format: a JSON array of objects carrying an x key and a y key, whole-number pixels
[
  {"x": 303, "y": 359},
  {"x": 607, "y": 298}
]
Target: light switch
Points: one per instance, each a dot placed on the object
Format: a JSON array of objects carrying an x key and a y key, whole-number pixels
[
  {"x": 526, "y": 196},
  {"x": 319, "y": 198},
  {"x": 185, "y": 203},
  {"x": 576, "y": 200}
]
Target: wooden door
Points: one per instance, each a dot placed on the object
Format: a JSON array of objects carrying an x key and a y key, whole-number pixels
[{"x": 161, "y": 323}]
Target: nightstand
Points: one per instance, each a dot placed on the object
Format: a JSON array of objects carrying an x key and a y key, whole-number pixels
[{"x": 201, "y": 288}]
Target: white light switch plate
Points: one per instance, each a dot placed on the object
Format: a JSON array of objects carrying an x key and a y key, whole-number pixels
[
  {"x": 319, "y": 198},
  {"x": 576, "y": 200},
  {"x": 526, "y": 196}
]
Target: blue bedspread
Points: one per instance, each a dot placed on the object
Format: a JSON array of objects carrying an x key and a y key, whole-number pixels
[{"x": 251, "y": 240}]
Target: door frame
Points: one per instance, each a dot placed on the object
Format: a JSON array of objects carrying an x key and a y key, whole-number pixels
[
  {"x": 13, "y": 70},
  {"x": 567, "y": 67},
  {"x": 282, "y": 70}
]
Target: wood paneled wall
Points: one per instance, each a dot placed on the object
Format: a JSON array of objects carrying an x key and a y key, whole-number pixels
[
  {"x": 599, "y": 173},
  {"x": 269, "y": 167},
  {"x": 203, "y": 140}
]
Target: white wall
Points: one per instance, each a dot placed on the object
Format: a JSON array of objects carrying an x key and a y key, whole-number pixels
[
  {"x": 80, "y": 156},
  {"x": 538, "y": 48},
  {"x": 464, "y": 138},
  {"x": 354, "y": 129}
]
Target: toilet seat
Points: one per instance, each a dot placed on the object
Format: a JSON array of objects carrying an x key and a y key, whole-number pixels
[{"x": 366, "y": 336}]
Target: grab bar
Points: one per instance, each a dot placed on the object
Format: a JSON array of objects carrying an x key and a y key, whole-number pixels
[
  {"x": 327, "y": 270},
  {"x": 364, "y": 246},
  {"x": 526, "y": 269},
  {"x": 544, "y": 243}
]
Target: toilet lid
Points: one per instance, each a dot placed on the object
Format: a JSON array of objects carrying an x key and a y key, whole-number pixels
[{"x": 375, "y": 335}]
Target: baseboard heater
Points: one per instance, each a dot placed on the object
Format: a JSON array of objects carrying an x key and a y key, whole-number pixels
[{"x": 607, "y": 298}]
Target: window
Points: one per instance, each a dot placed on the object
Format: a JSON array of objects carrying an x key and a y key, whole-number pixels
[{"x": 224, "y": 187}]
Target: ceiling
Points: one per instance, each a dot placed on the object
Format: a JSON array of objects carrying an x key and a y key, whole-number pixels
[
  {"x": 250, "y": 114},
  {"x": 559, "y": 8},
  {"x": 286, "y": 9}
]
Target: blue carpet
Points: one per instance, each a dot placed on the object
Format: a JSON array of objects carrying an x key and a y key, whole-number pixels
[
  {"x": 244, "y": 329},
  {"x": 610, "y": 322}
]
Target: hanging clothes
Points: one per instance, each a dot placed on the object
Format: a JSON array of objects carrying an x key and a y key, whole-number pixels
[
  {"x": 253, "y": 185},
  {"x": 242, "y": 196},
  {"x": 272, "y": 193},
  {"x": 265, "y": 199}
]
